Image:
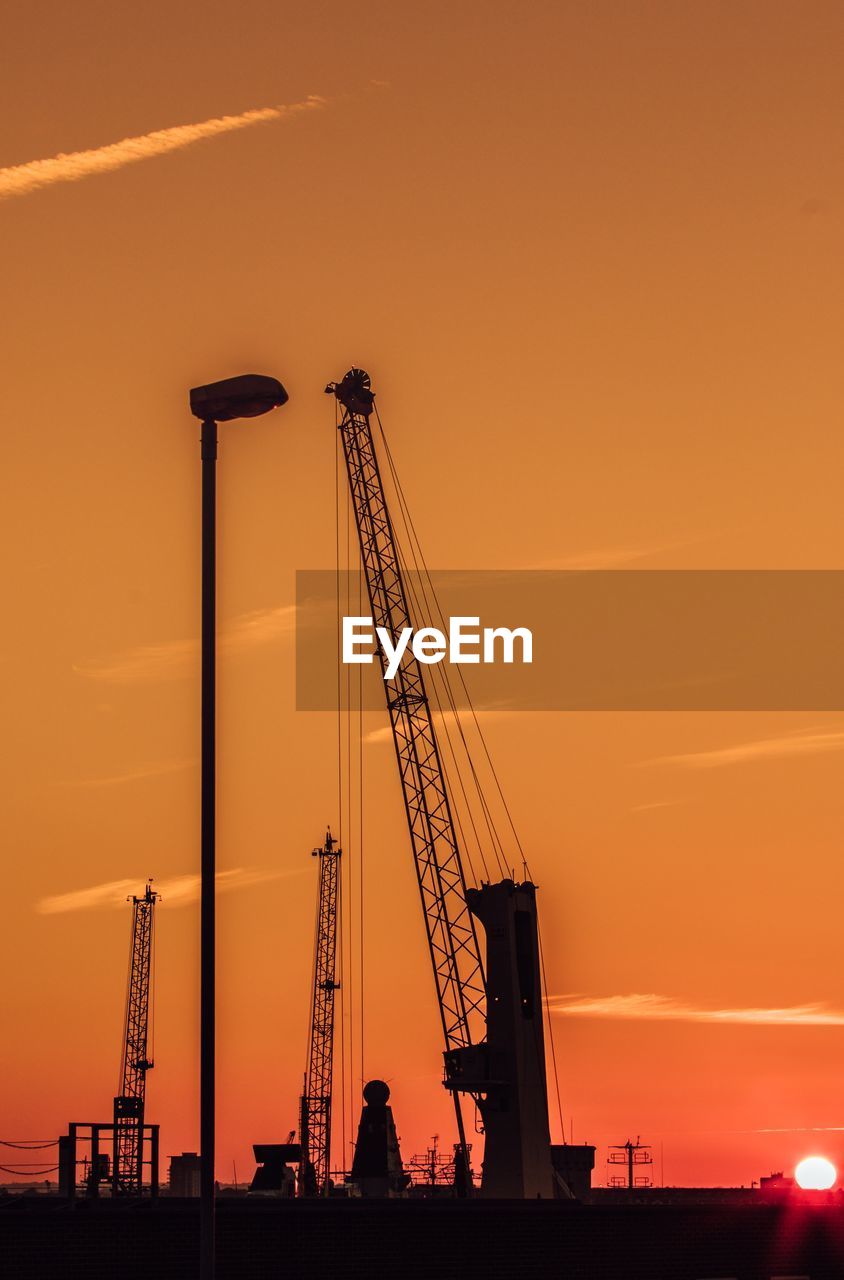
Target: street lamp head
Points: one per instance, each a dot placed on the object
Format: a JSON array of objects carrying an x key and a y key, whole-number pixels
[{"x": 245, "y": 397}]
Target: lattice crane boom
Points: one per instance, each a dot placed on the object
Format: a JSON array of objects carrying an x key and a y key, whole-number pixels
[
  {"x": 315, "y": 1106},
  {"x": 449, "y": 925},
  {"x": 130, "y": 1101},
  {"x": 492, "y": 1013}
]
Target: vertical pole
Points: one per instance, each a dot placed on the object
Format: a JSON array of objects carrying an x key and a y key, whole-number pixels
[
  {"x": 207, "y": 925},
  {"x": 93, "y": 1188},
  {"x": 153, "y": 1162},
  {"x": 463, "y": 1185},
  {"x": 115, "y": 1150},
  {"x": 305, "y": 1141}
]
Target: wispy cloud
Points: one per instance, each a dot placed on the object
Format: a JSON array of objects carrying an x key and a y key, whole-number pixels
[
  {"x": 382, "y": 734},
  {"x": 606, "y": 557},
  {"x": 172, "y": 659},
  {"x": 442, "y": 719},
  {"x": 21, "y": 179},
  {"x": 670, "y": 1008},
  {"x": 176, "y": 891},
  {"x": 158, "y": 770},
  {"x": 615, "y": 556},
  {"x": 804, "y": 743},
  {"x": 812, "y": 1128}
]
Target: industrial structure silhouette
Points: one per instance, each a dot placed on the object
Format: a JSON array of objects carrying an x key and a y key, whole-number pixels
[{"x": 489, "y": 984}]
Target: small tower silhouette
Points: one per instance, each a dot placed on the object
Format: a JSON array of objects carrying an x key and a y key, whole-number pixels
[
  {"x": 633, "y": 1155},
  {"x": 377, "y": 1167}
]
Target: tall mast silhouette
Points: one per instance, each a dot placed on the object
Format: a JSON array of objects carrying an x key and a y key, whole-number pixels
[{"x": 130, "y": 1101}]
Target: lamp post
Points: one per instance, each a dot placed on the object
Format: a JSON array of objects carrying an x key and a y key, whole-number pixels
[{"x": 244, "y": 397}]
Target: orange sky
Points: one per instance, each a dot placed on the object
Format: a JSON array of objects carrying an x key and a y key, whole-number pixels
[{"x": 591, "y": 255}]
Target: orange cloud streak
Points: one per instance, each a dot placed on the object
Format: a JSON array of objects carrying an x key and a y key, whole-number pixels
[
  {"x": 177, "y": 891},
  {"x": 656, "y": 1007},
  {"x": 21, "y": 179}
]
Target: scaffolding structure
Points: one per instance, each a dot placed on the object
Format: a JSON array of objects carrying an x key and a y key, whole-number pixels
[
  {"x": 130, "y": 1101},
  {"x": 315, "y": 1104}
]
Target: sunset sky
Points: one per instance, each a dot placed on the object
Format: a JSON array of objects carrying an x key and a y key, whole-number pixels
[{"x": 591, "y": 254}]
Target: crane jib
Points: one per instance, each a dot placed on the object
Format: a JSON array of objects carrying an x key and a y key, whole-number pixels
[
  {"x": 492, "y": 1021},
  {"x": 450, "y": 928}
]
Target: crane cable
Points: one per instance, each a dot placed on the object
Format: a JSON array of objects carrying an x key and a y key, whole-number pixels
[
  {"x": 451, "y": 717},
  {"x": 350, "y": 787},
  {"x": 414, "y": 538},
  {"x": 25, "y": 1144},
  {"x": 123, "y": 1043},
  {"x": 350, "y": 972},
  {"x": 340, "y": 903},
  {"x": 361, "y": 934},
  {"x": 427, "y": 576},
  {"x": 149, "y": 1051},
  {"x": 447, "y": 718},
  {"x": 424, "y": 576}
]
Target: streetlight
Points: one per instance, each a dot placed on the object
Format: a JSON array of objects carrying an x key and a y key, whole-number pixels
[{"x": 244, "y": 397}]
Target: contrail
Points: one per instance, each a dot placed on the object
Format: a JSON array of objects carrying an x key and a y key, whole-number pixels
[{"x": 20, "y": 179}]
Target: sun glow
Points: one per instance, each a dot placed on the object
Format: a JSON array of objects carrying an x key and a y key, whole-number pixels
[{"x": 815, "y": 1173}]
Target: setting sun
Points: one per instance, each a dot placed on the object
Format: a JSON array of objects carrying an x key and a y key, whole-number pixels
[{"x": 815, "y": 1173}]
